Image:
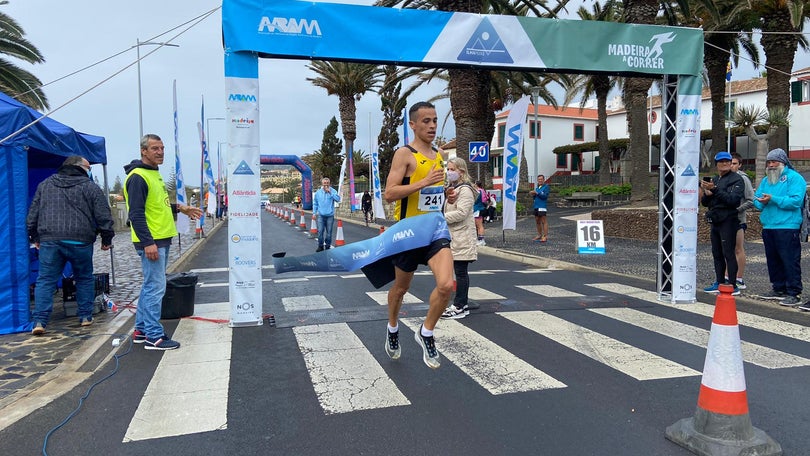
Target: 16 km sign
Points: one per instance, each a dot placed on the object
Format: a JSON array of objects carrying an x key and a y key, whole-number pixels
[{"x": 479, "y": 152}]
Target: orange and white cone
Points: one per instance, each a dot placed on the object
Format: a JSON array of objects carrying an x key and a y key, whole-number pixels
[
  {"x": 339, "y": 235},
  {"x": 721, "y": 425},
  {"x": 382, "y": 230},
  {"x": 302, "y": 222},
  {"x": 313, "y": 228}
]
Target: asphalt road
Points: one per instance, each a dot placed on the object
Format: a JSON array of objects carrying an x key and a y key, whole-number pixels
[{"x": 554, "y": 362}]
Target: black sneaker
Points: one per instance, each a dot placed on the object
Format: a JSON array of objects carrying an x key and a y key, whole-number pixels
[
  {"x": 805, "y": 307},
  {"x": 429, "y": 353},
  {"x": 392, "y": 344},
  {"x": 790, "y": 301},
  {"x": 161, "y": 343},
  {"x": 774, "y": 295}
]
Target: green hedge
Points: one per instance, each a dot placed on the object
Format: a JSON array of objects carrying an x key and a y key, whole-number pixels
[{"x": 623, "y": 189}]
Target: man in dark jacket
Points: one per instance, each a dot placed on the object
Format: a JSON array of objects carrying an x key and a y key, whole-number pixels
[
  {"x": 723, "y": 195},
  {"x": 67, "y": 213}
]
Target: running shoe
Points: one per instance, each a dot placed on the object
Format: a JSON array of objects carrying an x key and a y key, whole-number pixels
[{"x": 429, "y": 353}]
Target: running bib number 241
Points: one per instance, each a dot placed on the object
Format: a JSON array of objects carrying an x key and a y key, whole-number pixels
[{"x": 431, "y": 199}]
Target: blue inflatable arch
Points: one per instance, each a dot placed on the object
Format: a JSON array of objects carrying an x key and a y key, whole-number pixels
[{"x": 303, "y": 168}]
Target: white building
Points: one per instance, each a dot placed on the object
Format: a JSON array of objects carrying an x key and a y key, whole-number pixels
[{"x": 571, "y": 125}]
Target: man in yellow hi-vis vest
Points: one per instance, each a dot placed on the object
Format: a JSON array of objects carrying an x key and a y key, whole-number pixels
[{"x": 151, "y": 219}]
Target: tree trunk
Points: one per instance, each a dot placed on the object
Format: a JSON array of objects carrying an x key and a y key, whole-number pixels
[
  {"x": 780, "y": 50},
  {"x": 469, "y": 101},
  {"x": 601, "y": 84},
  {"x": 716, "y": 62}
]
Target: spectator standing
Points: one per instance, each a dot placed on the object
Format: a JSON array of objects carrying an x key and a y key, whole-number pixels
[
  {"x": 723, "y": 194},
  {"x": 66, "y": 214},
  {"x": 323, "y": 206},
  {"x": 365, "y": 205},
  {"x": 747, "y": 203},
  {"x": 463, "y": 245},
  {"x": 415, "y": 183},
  {"x": 540, "y": 196},
  {"x": 152, "y": 228},
  {"x": 480, "y": 205},
  {"x": 780, "y": 197}
]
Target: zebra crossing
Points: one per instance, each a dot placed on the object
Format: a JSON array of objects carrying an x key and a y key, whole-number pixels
[{"x": 350, "y": 374}]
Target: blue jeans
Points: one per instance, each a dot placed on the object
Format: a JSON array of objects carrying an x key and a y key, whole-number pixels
[
  {"x": 783, "y": 254},
  {"x": 325, "y": 223},
  {"x": 52, "y": 258},
  {"x": 150, "y": 302}
]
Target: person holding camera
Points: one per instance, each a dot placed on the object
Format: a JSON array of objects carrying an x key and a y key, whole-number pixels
[{"x": 722, "y": 194}]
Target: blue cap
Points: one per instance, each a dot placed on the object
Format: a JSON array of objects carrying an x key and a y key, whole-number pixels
[{"x": 722, "y": 156}]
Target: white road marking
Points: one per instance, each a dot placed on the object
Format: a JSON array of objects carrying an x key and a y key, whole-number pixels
[
  {"x": 213, "y": 284},
  {"x": 189, "y": 391},
  {"x": 480, "y": 294},
  {"x": 770, "y": 325},
  {"x": 353, "y": 276},
  {"x": 491, "y": 366},
  {"x": 550, "y": 291},
  {"x": 618, "y": 355},
  {"x": 381, "y": 298},
  {"x": 298, "y": 279},
  {"x": 533, "y": 271},
  {"x": 346, "y": 377},
  {"x": 752, "y": 353},
  {"x": 313, "y": 302}
]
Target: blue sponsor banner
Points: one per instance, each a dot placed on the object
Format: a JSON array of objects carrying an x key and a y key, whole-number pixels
[
  {"x": 321, "y": 31},
  {"x": 407, "y": 234}
]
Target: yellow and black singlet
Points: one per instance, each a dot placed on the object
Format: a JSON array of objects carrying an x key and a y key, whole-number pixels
[{"x": 428, "y": 199}]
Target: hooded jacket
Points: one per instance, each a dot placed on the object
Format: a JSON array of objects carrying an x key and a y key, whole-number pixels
[
  {"x": 68, "y": 206},
  {"x": 784, "y": 210}
]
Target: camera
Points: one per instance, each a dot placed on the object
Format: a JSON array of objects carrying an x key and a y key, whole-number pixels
[{"x": 707, "y": 178}]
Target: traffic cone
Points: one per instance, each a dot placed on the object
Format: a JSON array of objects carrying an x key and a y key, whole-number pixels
[
  {"x": 313, "y": 228},
  {"x": 339, "y": 235},
  {"x": 382, "y": 229},
  {"x": 302, "y": 223},
  {"x": 721, "y": 425}
]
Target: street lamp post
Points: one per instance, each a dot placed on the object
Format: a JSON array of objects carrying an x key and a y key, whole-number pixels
[
  {"x": 535, "y": 97},
  {"x": 138, "y": 45}
]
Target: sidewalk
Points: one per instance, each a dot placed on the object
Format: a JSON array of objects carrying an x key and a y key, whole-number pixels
[{"x": 29, "y": 365}]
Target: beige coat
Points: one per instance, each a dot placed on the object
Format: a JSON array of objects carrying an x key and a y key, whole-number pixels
[{"x": 463, "y": 235}]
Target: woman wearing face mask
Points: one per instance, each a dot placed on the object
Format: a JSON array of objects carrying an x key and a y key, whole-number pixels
[{"x": 463, "y": 234}]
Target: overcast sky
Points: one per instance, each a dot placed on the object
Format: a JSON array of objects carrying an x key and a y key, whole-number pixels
[{"x": 74, "y": 34}]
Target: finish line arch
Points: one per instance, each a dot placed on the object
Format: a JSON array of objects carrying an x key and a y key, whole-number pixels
[
  {"x": 303, "y": 168},
  {"x": 289, "y": 29}
]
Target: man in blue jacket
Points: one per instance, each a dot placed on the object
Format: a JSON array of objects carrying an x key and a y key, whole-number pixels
[
  {"x": 323, "y": 206},
  {"x": 780, "y": 197}
]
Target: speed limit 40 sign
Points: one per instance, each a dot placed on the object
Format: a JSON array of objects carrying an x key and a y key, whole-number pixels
[{"x": 590, "y": 237}]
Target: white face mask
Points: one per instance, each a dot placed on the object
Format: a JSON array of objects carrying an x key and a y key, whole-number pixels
[{"x": 452, "y": 176}]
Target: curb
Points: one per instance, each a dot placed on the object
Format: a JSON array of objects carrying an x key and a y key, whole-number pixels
[{"x": 66, "y": 375}]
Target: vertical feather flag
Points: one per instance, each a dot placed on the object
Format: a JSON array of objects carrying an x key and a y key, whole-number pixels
[
  {"x": 728, "y": 71},
  {"x": 208, "y": 185},
  {"x": 183, "y": 222},
  {"x": 515, "y": 127},
  {"x": 405, "y": 126}
]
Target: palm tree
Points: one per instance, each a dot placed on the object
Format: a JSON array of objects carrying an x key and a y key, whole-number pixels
[
  {"x": 14, "y": 81},
  {"x": 727, "y": 25},
  {"x": 635, "y": 99},
  {"x": 749, "y": 117},
  {"x": 349, "y": 81},
  {"x": 598, "y": 85},
  {"x": 470, "y": 90},
  {"x": 781, "y": 22}
]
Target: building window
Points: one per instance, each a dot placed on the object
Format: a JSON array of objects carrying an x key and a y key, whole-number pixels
[
  {"x": 535, "y": 129},
  {"x": 579, "y": 132},
  {"x": 562, "y": 161},
  {"x": 729, "y": 109},
  {"x": 501, "y": 134},
  {"x": 596, "y": 132},
  {"x": 800, "y": 91},
  {"x": 497, "y": 165}
]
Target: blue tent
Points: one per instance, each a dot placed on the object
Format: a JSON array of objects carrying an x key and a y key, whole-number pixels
[{"x": 25, "y": 161}]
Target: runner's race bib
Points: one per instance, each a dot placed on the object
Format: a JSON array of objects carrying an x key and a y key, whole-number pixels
[{"x": 431, "y": 199}]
